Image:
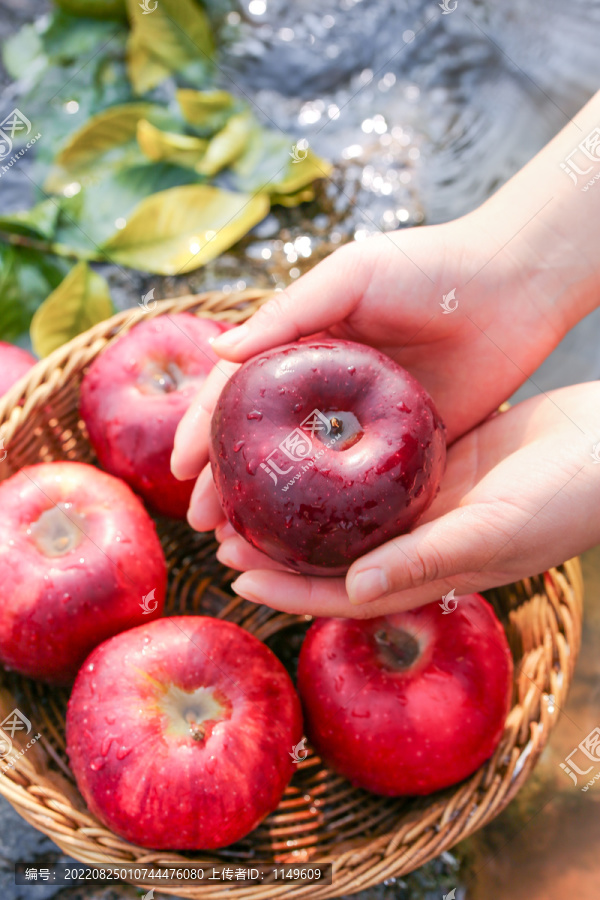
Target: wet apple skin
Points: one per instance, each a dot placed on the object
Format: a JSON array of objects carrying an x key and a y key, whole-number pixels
[{"x": 348, "y": 501}]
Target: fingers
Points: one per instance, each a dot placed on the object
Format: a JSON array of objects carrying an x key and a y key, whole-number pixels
[
  {"x": 463, "y": 540},
  {"x": 236, "y": 553},
  {"x": 323, "y": 297},
  {"x": 205, "y": 512},
  {"x": 190, "y": 453},
  {"x": 305, "y": 595}
]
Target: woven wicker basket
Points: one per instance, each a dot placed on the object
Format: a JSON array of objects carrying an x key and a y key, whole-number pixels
[{"x": 321, "y": 818}]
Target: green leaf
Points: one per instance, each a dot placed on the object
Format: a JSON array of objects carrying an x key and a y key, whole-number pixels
[
  {"x": 69, "y": 38},
  {"x": 168, "y": 146},
  {"x": 26, "y": 278},
  {"x": 107, "y": 141},
  {"x": 175, "y": 35},
  {"x": 227, "y": 145},
  {"x": 23, "y": 54},
  {"x": 178, "y": 230},
  {"x": 40, "y": 221},
  {"x": 80, "y": 301},
  {"x": 89, "y": 219},
  {"x": 268, "y": 165},
  {"x": 205, "y": 110}
]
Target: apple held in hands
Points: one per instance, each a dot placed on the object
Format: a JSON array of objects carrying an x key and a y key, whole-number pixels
[
  {"x": 408, "y": 703},
  {"x": 78, "y": 554},
  {"x": 14, "y": 363},
  {"x": 323, "y": 450},
  {"x": 134, "y": 395},
  {"x": 180, "y": 733}
]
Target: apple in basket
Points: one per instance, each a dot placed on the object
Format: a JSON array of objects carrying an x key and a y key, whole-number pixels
[
  {"x": 14, "y": 363},
  {"x": 134, "y": 395},
  {"x": 323, "y": 450},
  {"x": 407, "y": 703},
  {"x": 80, "y": 560},
  {"x": 180, "y": 732}
]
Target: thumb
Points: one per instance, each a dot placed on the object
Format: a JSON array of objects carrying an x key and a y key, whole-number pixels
[
  {"x": 464, "y": 540},
  {"x": 324, "y": 296}
]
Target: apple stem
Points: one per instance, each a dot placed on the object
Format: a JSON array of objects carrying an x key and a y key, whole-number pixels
[
  {"x": 399, "y": 649},
  {"x": 336, "y": 425},
  {"x": 198, "y": 732}
]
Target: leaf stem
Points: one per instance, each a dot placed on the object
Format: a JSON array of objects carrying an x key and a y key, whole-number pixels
[{"x": 23, "y": 240}]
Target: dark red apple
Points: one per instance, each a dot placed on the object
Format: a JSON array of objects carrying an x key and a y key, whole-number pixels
[
  {"x": 323, "y": 450},
  {"x": 134, "y": 395},
  {"x": 408, "y": 703},
  {"x": 78, "y": 555},
  {"x": 180, "y": 733},
  {"x": 14, "y": 363}
]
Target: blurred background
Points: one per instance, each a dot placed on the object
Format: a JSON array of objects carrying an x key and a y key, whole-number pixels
[{"x": 414, "y": 113}]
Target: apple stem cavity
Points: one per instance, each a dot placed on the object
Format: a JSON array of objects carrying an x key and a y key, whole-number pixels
[
  {"x": 57, "y": 531},
  {"x": 398, "y": 649},
  {"x": 192, "y": 713},
  {"x": 160, "y": 378}
]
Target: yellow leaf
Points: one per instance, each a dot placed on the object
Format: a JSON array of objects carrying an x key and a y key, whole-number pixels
[
  {"x": 299, "y": 174},
  {"x": 81, "y": 300},
  {"x": 205, "y": 109},
  {"x": 111, "y": 130},
  {"x": 182, "y": 228},
  {"x": 304, "y": 195},
  {"x": 227, "y": 145},
  {"x": 174, "y": 35},
  {"x": 168, "y": 146}
]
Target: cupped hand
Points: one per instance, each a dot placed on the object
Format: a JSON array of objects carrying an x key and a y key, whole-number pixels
[
  {"x": 470, "y": 350},
  {"x": 521, "y": 493}
]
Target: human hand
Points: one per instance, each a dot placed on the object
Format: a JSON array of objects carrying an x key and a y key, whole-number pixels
[{"x": 520, "y": 494}]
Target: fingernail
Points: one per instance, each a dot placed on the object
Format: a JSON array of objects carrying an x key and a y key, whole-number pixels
[
  {"x": 232, "y": 338},
  {"x": 241, "y": 591},
  {"x": 367, "y": 585}
]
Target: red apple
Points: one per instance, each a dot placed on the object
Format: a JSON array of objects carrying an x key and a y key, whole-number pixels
[
  {"x": 323, "y": 450},
  {"x": 408, "y": 703},
  {"x": 134, "y": 395},
  {"x": 180, "y": 733},
  {"x": 78, "y": 555},
  {"x": 14, "y": 363}
]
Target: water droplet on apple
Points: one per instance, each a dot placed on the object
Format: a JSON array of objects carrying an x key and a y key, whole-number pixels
[
  {"x": 254, "y": 414},
  {"x": 361, "y": 714},
  {"x": 238, "y": 446},
  {"x": 352, "y": 369},
  {"x": 251, "y": 466},
  {"x": 110, "y": 720},
  {"x": 403, "y": 407},
  {"x": 106, "y": 745},
  {"x": 122, "y": 752},
  {"x": 339, "y": 683},
  {"x": 298, "y": 407},
  {"x": 97, "y": 764}
]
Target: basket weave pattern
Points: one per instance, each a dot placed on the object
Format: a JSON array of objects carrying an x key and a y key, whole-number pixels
[{"x": 321, "y": 818}]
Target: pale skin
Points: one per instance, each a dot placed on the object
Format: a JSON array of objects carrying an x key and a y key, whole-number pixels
[{"x": 521, "y": 491}]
